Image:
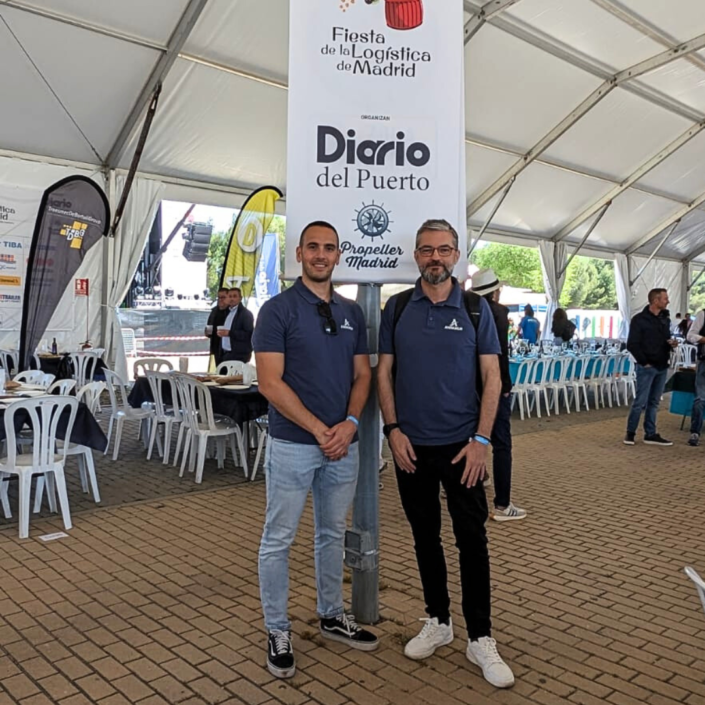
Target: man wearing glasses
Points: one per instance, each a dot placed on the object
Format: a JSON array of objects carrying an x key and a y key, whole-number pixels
[
  {"x": 438, "y": 432},
  {"x": 313, "y": 366}
]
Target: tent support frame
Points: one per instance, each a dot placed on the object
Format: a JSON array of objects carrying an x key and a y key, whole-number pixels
[
  {"x": 497, "y": 206},
  {"x": 594, "y": 224},
  {"x": 653, "y": 254}
]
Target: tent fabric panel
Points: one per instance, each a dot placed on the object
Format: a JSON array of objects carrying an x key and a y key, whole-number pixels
[
  {"x": 683, "y": 20},
  {"x": 97, "y": 78},
  {"x": 154, "y": 20},
  {"x": 243, "y": 35},
  {"x": 616, "y": 43},
  {"x": 483, "y": 167},
  {"x": 543, "y": 199},
  {"x": 618, "y": 135},
  {"x": 527, "y": 105},
  {"x": 207, "y": 127},
  {"x": 683, "y": 173},
  {"x": 680, "y": 80},
  {"x": 630, "y": 217},
  {"x": 687, "y": 237}
]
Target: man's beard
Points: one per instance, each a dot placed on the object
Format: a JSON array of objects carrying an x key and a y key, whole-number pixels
[{"x": 439, "y": 278}]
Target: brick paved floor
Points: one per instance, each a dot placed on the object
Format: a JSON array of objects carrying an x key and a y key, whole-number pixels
[{"x": 153, "y": 598}]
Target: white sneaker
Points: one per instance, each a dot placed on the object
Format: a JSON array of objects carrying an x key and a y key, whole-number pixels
[
  {"x": 483, "y": 653},
  {"x": 510, "y": 513},
  {"x": 432, "y": 636}
]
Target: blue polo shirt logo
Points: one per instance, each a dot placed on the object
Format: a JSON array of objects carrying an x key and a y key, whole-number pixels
[
  {"x": 346, "y": 326},
  {"x": 454, "y": 325}
]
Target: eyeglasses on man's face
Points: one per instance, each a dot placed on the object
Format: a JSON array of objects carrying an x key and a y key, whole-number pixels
[
  {"x": 443, "y": 250},
  {"x": 329, "y": 325}
]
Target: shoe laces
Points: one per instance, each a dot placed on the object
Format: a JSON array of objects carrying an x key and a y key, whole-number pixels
[
  {"x": 349, "y": 623},
  {"x": 429, "y": 629},
  {"x": 282, "y": 640},
  {"x": 489, "y": 650}
]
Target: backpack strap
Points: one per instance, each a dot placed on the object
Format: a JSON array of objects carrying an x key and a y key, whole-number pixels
[
  {"x": 472, "y": 306},
  {"x": 399, "y": 305}
]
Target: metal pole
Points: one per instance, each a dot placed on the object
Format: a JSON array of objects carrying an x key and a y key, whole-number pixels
[
  {"x": 600, "y": 216},
  {"x": 654, "y": 253},
  {"x": 498, "y": 205},
  {"x": 362, "y": 542},
  {"x": 695, "y": 281}
]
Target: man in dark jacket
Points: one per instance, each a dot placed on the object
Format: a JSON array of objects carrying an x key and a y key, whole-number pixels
[
  {"x": 486, "y": 284},
  {"x": 236, "y": 332},
  {"x": 217, "y": 317},
  {"x": 650, "y": 343}
]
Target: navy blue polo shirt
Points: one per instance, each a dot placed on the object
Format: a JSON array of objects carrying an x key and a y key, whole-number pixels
[
  {"x": 436, "y": 363},
  {"x": 319, "y": 367}
]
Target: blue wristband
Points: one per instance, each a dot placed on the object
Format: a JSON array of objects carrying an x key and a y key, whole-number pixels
[
  {"x": 482, "y": 440},
  {"x": 353, "y": 419}
]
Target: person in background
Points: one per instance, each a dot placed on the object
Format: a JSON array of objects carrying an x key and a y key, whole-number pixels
[
  {"x": 486, "y": 284},
  {"x": 217, "y": 317},
  {"x": 696, "y": 336},
  {"x": 684, "y": 326},
  {"x": 563, "y": 330},
  {"x": 529, "y": 327},
  {"x": 236, "y": 341},
  {"x": 512, "y": 332},
  {"x": 650, "y": 343},
  {"x": 675, "y": 324}
]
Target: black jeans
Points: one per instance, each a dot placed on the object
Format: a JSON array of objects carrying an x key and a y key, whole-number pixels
[
  {"x": 419, "y": 492},
  {"x": 502, "y": 453}
]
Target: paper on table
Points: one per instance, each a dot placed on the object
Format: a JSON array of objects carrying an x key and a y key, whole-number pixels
[{"x": 234, "y": 386}]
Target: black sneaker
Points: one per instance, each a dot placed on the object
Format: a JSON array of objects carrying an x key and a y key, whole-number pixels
[
  {"x": 656, "y": 440},
  {"x": 694, "y": 439},
  {"x": 345, "y": 630},
  {"x": 280, "y": 654},
  {"x": 629, "y": 439}
]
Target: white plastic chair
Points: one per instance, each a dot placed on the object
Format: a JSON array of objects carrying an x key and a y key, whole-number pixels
[
  {"x": 626, "y": 378},
  {"x": 262, "y": 425},
  {"x": 84, "y": 364},
  {"x": 201, "y": 426},
  {"x": 541, "y": 374},
  {"x": 121, "y": 411},
  {"x": 41, "y": 379},
  {"x": 577, "y": 383},
  {"x": 89, "y": 395},
  {"x": 596, "y": 380},
  {"x": 153, "y": 364},
  {"x": 520, "y": 386},
  {"x": 699, "y": 583},
  {"x": 230, "y": 367},
  {"x": 162, "y": 413},
  {"x": 65, "y": 386},
  {"x": 558, "y": 383},
  {"x": 42, "y": 415},
  {"x": 9, "y": 360}
]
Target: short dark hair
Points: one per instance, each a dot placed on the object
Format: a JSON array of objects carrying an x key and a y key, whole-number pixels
[
  {"x": 529, "y": 311},
  {"x": 678, "y": 315},
  {"x": 437, "y": 225},
  {"x": 318, "y": 224},
  {"x": 223, "y": 289},
  {"x": 235, "y": 288},
  {"x": 655, "y": 293}
]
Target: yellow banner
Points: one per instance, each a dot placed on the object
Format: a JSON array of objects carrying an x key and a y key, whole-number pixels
[{"x": 246, "y": 239}]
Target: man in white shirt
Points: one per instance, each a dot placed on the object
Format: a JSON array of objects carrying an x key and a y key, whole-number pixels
[{"x": 695, "y": 337}]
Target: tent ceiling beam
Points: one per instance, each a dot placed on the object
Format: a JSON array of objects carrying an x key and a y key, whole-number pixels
[
  {"x": 644, "y": 169},
  {"x": 488, "y": 11},
  {"x": 82, "y": 24},
  {"x": 696, "y": 253},
  {"x": 580, "y": 246},
  {"x": 654, "y": 253},
  {"x": 579, "y": 171},
  {"x": 634, "y": 20},
  {"x": 497, "y": 206},
  {"x": 676, "y": 217},
  {"x": 178, "y": 38},
  {"x": 552, "y": 46},
  {"x": 599, "y": 94}
]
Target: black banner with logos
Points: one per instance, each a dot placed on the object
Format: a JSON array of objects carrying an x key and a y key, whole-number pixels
[{"x": 73, "y": 216}]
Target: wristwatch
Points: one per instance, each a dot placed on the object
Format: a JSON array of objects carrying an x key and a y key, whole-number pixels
[{"x": 388, "y": 428}]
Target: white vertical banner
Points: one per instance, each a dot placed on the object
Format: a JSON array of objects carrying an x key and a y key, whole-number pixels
[{"x": 376, "y": 129}]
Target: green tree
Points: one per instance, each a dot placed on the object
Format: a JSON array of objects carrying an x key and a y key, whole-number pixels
[
  {"x": 215, "y": 261},
  {"x": 518, "y": 266}
]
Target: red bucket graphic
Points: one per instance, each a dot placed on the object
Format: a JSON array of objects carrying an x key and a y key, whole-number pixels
[{"x": 404, "y": 14}]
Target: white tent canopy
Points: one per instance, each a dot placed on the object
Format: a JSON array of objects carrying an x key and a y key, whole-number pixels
[{"x": 584, "y": 102}]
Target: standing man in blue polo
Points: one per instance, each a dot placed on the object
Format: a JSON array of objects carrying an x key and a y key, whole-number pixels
[
  {"x": 314, "y": 368},
  {"x": 431, "y": 357}
]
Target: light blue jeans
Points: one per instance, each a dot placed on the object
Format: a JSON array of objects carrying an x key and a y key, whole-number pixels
[{"x": 292, "y": 469}]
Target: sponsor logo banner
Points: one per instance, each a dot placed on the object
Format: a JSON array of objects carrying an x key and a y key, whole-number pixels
[{"x": 376, "y": 129}]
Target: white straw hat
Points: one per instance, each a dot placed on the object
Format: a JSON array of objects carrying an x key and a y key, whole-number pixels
[{"x": 485, "y": 281}]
